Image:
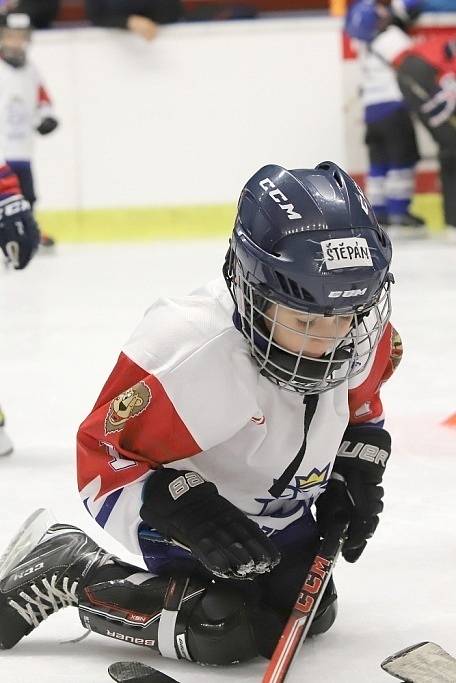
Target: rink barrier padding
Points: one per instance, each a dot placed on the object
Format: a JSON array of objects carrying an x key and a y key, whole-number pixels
[
  {"x": 139, "y": 223},
  {"x": 174, "y": 223}
]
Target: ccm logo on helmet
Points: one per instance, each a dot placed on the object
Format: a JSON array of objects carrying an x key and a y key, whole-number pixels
[
  {"x": 347, "y": 293},
  {"x": 277, "y": 195}
]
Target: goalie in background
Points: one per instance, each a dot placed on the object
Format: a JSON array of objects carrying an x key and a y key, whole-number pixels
[
  {"x": 239, "y": 425},
  {"x": 390, "y": 134},
  {"x": 25, "y": 103}
]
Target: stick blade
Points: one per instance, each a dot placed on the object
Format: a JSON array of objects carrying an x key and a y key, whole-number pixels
[
  {"x": 137, "y": 672},
  {"x": 422, "y": 663}
]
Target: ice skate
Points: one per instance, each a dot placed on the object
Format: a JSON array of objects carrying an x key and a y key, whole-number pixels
[
  {"x": 43, "y": 570},
  {"x": 6, "y": 445},
  {"x": 449, "y": 234},
  {"x": 406, "y": 226},
  {"x": 47, "y": 243}
]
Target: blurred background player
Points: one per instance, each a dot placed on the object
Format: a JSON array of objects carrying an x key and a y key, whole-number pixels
[
  {"x": 229, "y": 414},
  {"x": 390, "y": 134},
  {"x": 426, "y": 74},
  {"x": 19, "y": 239},
  {"x": 26, "y": 106}
]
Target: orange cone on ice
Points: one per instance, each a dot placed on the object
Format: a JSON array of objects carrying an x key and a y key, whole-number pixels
[{"x": 450, "y": 421}]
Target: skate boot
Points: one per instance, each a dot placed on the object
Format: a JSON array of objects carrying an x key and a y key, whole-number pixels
[
  {"x": 406, "y": 225},
  {"x": 43, "y": 570},
  {"x": 6, "y": 445},
  {"x": 46, "y": 242},
  {"x": 449, "y": 234}
]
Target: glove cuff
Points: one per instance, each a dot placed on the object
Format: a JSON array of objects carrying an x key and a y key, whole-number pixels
[
  {"x": 367, "y": 444},
  {"x": 169, "y": 490}
]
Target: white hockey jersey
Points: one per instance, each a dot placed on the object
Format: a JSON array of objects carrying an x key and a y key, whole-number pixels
[
  {"x": 379, "y": 80},
  {"x": 186, "y": 392},
  {"x": 24, "y": 103}
]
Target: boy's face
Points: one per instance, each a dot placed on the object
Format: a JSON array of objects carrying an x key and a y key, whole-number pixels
[
  {"x": 306, "y": 333},
  {"x": 14, "y": 40}
]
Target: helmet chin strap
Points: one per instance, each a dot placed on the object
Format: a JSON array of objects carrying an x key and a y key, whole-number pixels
[
  {"x": 14, "y": 58},
  {"x": 283, "y": 364}
]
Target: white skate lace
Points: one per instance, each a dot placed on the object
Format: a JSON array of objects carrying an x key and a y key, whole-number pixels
[{"x": 36, "y": 610}]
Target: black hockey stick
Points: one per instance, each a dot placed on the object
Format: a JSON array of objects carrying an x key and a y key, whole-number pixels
[
  {"x": 306, "y": 606},
  {"x": 136, "y": 672}
]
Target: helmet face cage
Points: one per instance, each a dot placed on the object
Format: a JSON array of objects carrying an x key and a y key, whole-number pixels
[
  {"x": 347, "y": 353},
  {"x": 308, "y": 258}
]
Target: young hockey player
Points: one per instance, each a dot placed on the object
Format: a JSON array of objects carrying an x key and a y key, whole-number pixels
[
  {"x": 229, "y": 414},
  {"x": 390, "y": 134},
  {"x": 26, "y": 106},
  {"x": 426, "y": 74}
]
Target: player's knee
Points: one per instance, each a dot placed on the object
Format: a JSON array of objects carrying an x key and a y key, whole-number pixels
[
  {"x": 269, "y": 627},
  {"x": 324, "y": 620},
  {"x": 326, "y": 613},
  {"x": 226, "y": 627}
]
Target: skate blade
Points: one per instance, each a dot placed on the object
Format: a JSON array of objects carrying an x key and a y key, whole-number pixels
[
  {"x": 28, "y": 536},
  {"x": 137, "y": 672},
  {"x": 425, "y": 662},
  {"x": 402, "y": 232}
]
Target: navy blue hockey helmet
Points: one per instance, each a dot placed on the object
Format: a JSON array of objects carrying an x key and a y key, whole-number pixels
[{"x": 308, "y": 240}]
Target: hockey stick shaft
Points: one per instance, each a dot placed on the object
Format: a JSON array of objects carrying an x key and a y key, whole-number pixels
[
  {"x": 414, "y": 85},
  {"x": 305, "y": 607}
]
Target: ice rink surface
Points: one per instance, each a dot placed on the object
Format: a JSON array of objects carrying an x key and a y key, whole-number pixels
[{"x": 63, "y": 321}]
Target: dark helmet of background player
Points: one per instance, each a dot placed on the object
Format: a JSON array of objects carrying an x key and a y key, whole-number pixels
[
  {"x": 307, "y": 239},
  {"x": 15, "y": 33}
]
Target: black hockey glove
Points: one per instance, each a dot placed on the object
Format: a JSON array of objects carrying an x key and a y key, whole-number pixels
[
  {"x": 185, "y": 508},
  {"x": 47, "y": 125},
  {"x": 450, "y": 49},
  {"x": 19, "y": 233},
  {"x": 442, "y": 104},
  {"x": 360, "y": 464}
]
